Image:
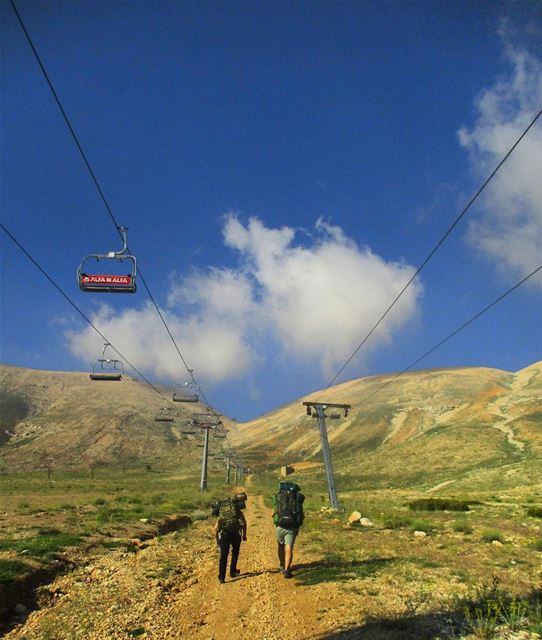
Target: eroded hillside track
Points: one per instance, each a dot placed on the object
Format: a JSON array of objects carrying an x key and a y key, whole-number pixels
[{"x": 170, "y": 589}]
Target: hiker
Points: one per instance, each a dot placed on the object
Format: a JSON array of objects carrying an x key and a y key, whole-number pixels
[
  {"x": 228, "y": 530},
  {"x": 288, "y": 517}
]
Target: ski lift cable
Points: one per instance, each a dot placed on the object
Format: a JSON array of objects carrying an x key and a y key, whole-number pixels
[
  {"x": 455, "y": 332},
  {"x": 81, "y": 313},
  {"x": 433, "y": 250},
  {"x": 97, "y": 185}
]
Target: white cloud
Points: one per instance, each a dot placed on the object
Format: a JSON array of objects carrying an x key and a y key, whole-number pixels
[
  {"x": 217, "y": 345},
  {"x": 320, "y": 300},
  {"x": 300, "y": 303},
  {"x": 509, "y": 231}
]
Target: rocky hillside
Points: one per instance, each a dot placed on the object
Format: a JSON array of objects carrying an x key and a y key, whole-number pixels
[
  {"x": 462, "y": 426},
  {"x": 65, "y": 420},
  {"x": 427, "y": 428}
]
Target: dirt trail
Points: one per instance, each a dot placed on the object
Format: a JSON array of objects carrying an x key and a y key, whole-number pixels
[
  {"x": 260, "y": 603},
  {"x": 122, "y": 596}
]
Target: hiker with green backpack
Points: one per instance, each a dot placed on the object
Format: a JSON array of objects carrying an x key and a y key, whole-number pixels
[
  {"x": 288, "y": 517},
  {"x": 228, "y": 529}
]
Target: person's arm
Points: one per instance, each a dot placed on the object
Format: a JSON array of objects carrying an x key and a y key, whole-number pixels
[
  {"x": 243, "y": 526},
  {"x": 216, "y": 530}
]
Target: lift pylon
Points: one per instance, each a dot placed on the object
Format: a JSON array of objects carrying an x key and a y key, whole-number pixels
[{"x": 319, "y": 408}]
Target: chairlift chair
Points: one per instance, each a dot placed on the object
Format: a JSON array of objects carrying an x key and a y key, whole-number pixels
[
  {"x": 109, "y": 283},
  {"x": 164, "y": 415},
  {"x": 107, "y": 369},
  {"x": 187, "y": 392}
]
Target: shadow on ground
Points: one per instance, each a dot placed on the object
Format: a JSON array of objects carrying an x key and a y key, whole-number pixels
[
  {"x": 437, "y": 625},
  {"x": 337, "y": 570}
]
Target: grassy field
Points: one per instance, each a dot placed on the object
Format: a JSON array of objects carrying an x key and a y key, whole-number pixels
[
  {"x": 452, "y": 565},
  {"x": 475, "y": 568},
  {"x": 43, "y": 518}
]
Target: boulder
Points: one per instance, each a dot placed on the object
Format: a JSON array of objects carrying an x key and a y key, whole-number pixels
[
  {"x": 365, "y": 522},
  {"x": 355, "y": 516},
  {"x": 420, "y": 534}
]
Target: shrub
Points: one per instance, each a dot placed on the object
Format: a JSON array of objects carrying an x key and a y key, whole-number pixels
[
  {"x": 461, "y": 526},
  {"x": 421, "y": 525},
  {"x": 438, "y": 504},
  {"x": 491, "y": 535},
  {"x": 534, "y": 512},
  {"x": 397, "y": 522},
  {"x": 483, "y": 619},
  {"x": 200, "y": 515},
  {"x": 100, "y": 502}
]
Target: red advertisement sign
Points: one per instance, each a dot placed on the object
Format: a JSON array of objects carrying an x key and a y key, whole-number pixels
[{"x": 107, "y": 280}]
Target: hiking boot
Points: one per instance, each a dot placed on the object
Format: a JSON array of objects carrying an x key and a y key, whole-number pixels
[
  {"x": 234, "y": 573},
  {"x": 281, "y": 569},
  {"x": 221, "y": 580},
  {"x": 288, "y": 574}
]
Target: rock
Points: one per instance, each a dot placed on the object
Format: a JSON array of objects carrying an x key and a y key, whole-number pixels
[
  {"x": 420, "y": 534},
  {"x": 365, "y": 522},
  {"x": 143, "y": 520},
  {"x": 496, "y": 543},
  {"x": 20, "y": 609},
  {"x": 355, "y": 516}
]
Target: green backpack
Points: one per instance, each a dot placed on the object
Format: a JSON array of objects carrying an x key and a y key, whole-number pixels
[{"x": 228, "y": 517}]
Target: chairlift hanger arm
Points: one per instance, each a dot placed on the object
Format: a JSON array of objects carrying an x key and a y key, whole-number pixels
[{"x": 326, "y": 405}]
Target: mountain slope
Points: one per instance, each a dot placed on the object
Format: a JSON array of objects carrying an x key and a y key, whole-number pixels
[
  {"x": 67, "y": 420},
  {"x": 425, "y": 427}
]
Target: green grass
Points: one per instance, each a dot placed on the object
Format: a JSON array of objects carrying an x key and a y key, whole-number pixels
[
  {"x": 397, "y": 522},
  {"x": 534, "y": 512},
  {"x": 491, "y": 535},
  {"x": 462, "y": 526},
  {"x": 44, "y": 546},
  {"x": 422, "y": 525},
  {"x": 11, "y": 569}
]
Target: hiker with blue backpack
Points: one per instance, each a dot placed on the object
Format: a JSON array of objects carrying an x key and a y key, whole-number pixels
[
  {"x": 229, "y": 528},
  {"x": 288, "y": 517}
]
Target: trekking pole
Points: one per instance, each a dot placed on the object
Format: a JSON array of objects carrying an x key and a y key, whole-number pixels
[{"x": 320, "y": 414}]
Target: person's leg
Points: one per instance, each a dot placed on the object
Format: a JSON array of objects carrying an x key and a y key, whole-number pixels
[
  {"x": 288, "y": 556},
  {"x": 279, "y": 533},
  {"x": 235, "y": 546},
  {"x": 224, "y": 545},
  {"x": 289, "y": 540},
  {"x": 281, "y": 555}
]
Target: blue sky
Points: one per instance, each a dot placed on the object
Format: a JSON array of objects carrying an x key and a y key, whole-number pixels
[{"x": 283, "y": 169}]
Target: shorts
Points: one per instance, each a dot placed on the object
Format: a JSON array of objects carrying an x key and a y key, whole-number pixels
[{"x": 286, "y": 536}]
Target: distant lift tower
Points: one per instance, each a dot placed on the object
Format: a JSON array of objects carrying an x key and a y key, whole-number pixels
[
  {"x": 207, "y": 422},
  {"x": 319, "y": 408}
]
